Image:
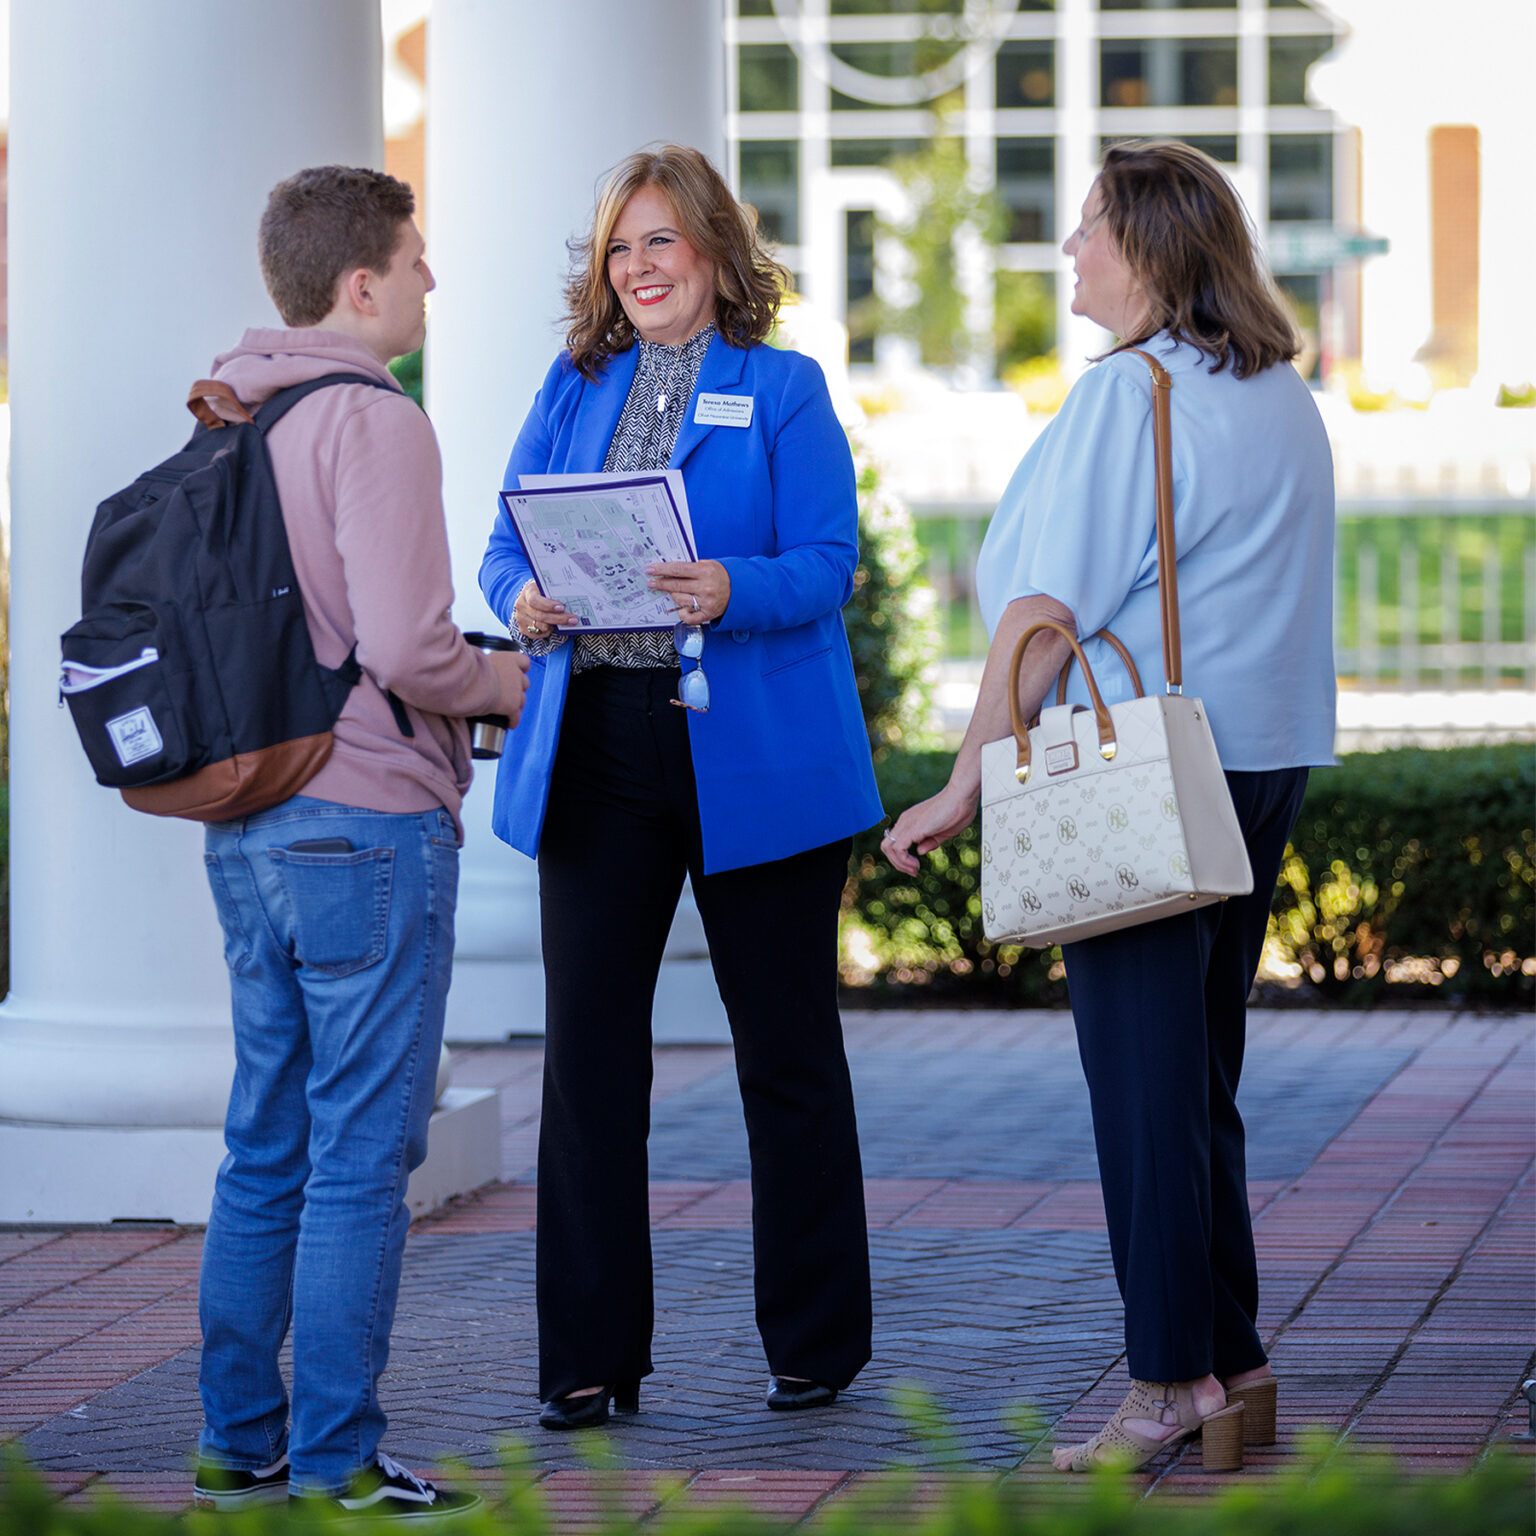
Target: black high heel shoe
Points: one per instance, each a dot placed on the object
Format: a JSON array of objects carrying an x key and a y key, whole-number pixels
[
  {"x": 789, "y": 1396},
  {"x": 591, "y": 1409}
]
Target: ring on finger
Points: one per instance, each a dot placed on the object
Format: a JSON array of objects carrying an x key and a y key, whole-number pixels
[{"x": 695, "y": 605}]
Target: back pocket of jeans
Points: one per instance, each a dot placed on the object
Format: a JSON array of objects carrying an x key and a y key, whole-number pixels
[{"x": 340, "y": 906}]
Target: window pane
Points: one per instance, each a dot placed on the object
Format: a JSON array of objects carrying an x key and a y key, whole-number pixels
[
  {"x": 1026, "y": 74},
  {"x": 1300, "y": 177},
  {"x": 754, "y": 7},
  {"x": 857, "y": 152},
  {"x": 1168, "y": 72},
  {"x": 1219, "y": 146},
  {"x": 895, "y": 7},
  {"x": 891, "y": 61},
  {"x": 770, "y": 181},
  {"x": 1167, "y": 5},
  {"x": 897, "y": 60},
  {"x": 859, "y": 283},
  {"x": 768, "y": 78},
  {"x": 1289, "y": 60},
  {"x": 1026, "y": 186}
]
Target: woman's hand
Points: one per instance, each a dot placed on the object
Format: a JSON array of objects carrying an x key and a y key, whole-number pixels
[
  {"x": 534, "y": 616},
  {"x": 700, "y": 588},
  {"x": 922, "y": 827}
]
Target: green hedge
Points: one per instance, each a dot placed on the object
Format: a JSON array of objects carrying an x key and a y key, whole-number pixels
[
  {"x": 1313, "y": 1496},
  {"x": 1410, "y": 873}
]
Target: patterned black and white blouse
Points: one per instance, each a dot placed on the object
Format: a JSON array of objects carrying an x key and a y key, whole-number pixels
[{"x": 643, "y": 440}]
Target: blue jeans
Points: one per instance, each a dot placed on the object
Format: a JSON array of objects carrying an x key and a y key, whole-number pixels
[{"x": 339, "y": 964}]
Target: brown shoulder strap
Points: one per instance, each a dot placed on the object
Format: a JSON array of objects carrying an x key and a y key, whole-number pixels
[
  {"x": 1167, "y": 553},
  {"x": 205, "y": 390}
]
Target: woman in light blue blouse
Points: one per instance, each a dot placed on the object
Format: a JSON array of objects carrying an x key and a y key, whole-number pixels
[{"x": 1165, "y": 261}]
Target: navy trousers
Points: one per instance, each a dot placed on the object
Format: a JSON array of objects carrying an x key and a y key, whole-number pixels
[
  {"x": 621, "y": 833},
  {"x": 1161, "y": 1012}
]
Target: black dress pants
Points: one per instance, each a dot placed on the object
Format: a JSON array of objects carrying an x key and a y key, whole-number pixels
[
  {"x": 621, "y": 832},
  {"x": 1161, "y": 1014}
]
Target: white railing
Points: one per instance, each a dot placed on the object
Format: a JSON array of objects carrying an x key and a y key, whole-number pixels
[{"x": 1429, "y": 645}]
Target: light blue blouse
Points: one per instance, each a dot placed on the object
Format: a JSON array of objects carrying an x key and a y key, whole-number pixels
[{"x": 1253, "y": 518}]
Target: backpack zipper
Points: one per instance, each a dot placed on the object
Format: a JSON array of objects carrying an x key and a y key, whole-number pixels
[{"x": 94, "y": 677}]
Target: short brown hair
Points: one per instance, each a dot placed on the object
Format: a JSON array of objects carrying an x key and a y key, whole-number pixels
[
  {"x": 749, "y": 283},
  {"x": 1183, "y": 231},
  {"x": 321, "y": 223}
]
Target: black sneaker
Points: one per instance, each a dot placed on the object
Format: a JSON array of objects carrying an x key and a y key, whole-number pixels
[
  {"x": 387, "y": 1491},
  {"x": 216, "y": 1487}
]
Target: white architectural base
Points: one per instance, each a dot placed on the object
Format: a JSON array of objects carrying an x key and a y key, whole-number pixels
[
  {"x": 56, "y": 1175},
  {"x": 463, "y": 1148},
  {"x": 492, "y": 1000}
]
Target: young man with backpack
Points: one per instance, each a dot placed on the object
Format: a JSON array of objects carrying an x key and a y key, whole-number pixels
[{"x": 337, "y": 904}]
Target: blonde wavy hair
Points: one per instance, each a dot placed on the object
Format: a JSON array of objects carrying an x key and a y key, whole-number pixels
[
  {"x": 1182, "y": 229},
  {"x": 749, "y": 284}
]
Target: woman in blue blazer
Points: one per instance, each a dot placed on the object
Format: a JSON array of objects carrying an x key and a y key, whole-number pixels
[{"x": 752, "y": 789}]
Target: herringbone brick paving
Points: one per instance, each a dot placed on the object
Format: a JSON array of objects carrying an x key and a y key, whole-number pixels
[{"x": 1395, "y": 1210}]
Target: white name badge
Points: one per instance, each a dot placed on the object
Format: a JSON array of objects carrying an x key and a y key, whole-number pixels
[{"x": 723, "y": 411}]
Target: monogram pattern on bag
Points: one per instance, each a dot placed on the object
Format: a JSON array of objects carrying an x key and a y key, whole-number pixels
[{"x": 1113, "y": 848}]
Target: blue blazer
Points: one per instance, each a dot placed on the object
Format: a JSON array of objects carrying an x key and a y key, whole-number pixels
[{"x": 782, "y": 758}]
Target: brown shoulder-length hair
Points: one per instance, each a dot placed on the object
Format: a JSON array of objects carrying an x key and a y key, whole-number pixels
[
  {"x": 1183, "y": 231},
  {"x": 749, "y": 283}
]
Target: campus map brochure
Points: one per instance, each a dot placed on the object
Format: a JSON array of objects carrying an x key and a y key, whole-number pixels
[{"x": 589, "y": 539}]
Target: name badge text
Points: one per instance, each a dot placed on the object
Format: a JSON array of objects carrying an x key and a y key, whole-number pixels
[{"x": 723, "y": 411}]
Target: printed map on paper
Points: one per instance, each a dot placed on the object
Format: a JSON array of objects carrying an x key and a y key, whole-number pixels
[{"x": 590, "y": 540}]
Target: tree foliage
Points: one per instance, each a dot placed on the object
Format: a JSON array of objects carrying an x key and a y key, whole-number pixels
[
  {"x": 890, "y": 618},
  {"x": 946, "y": 208}
]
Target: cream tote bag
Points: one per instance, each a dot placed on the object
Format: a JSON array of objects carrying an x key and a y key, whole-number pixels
[{"x": 1096, "y": 819}]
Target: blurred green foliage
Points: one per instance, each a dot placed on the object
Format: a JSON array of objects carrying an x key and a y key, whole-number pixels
[
  {"x": 889, "y": 618},
  {"x": 408, "y": 370},
  {"x": 1410, "y": 873},
  {"x": 905, "y": 936},
  {"x": 1317, "y": 1492},
  {"x": 946, "y": 207},
  {"x": 1419, "y": 863},
  {"x": 1023, "y": 318}
]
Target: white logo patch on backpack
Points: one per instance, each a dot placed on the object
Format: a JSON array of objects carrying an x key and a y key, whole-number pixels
[{"x": 134, "y": 735}]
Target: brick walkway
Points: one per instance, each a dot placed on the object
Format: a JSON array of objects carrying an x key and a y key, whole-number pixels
[{"x": 1391, "y": 1179}]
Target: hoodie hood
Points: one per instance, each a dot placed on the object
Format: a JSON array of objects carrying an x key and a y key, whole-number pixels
[{"x": 269, "y": 360}]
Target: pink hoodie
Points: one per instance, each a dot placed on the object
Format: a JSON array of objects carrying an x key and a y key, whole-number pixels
[{"x": 360, "y": 480}]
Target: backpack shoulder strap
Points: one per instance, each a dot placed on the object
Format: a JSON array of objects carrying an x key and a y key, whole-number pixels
[{"x": 277, "y": 406}]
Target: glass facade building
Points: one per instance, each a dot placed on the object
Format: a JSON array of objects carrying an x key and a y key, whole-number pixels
[{"x": 825, "y": 94}]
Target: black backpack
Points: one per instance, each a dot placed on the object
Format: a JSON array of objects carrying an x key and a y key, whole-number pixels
[{"x": 191, "y": 677}]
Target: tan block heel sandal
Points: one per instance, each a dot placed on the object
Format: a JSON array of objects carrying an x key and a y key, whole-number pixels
[
  {"x": 1258, "y": 1400},
  {"x": 1221, "y": 1433}
]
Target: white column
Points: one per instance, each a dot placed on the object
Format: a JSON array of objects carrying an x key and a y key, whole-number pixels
[
  {"x": 143, "y": 141},
  {"x": 1077, "y": 161},
  {"x": 528, "y": 104}
]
